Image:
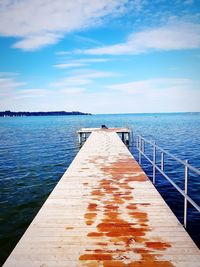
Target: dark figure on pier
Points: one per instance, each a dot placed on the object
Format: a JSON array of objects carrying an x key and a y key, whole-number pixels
[{"x": 104, "y": 126}]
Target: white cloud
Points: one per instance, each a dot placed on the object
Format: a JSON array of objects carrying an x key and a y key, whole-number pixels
[
  {"x": 8, "y": 83},
  {"x": 156, "y": 95},
  {"x": 31, "y": 93},
  {"x": 80, "y": 62},
  {"x": 174, "y": 36},
  {"x": 69, "y": 65},
  {"x": 81, "y": 77},
  {"x": 8, "y": 74},
  {"x": 41, "y": 22},
  {"x": 72, "y": 90},
  {"x": 145, "y": 87},
  {"x": 35, "y": 42}
]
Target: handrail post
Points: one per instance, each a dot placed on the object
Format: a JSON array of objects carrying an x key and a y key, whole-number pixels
[
  {"x": 143, "y": 145},
  {"x": 127, "y": 139},
  {"x": 139, "y": 147},
  {"x": 123, "y": 137},
  {"x": 131, "y": 138},
  {"x": 186, "y": 191},
  {"x": 162, "y": 161},
  {"x": 84, "y": 137},
  {"x": 154, "y": 162},
  {"x": 80, "y": 138}
]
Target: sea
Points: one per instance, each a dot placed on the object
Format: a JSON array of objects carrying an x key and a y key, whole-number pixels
[{"x": 36, "y": 151}]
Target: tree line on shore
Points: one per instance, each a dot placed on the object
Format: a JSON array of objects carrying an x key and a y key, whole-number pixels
[{"x": 9, "y": 113}]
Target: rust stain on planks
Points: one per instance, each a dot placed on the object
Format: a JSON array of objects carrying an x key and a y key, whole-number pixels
[{"x": 113, "y": 229}]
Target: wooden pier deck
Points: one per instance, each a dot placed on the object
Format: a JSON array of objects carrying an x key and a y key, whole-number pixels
[{"x": 105, "y": 212}]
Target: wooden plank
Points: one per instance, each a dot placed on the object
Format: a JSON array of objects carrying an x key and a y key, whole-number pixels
[{"x": 105, "y": 212}]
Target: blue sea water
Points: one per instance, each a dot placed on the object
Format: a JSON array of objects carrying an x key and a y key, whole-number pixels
[{"x": 36, "y": 151}]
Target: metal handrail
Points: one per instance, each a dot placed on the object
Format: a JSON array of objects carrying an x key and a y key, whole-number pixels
[
  {"x": 140, "y": 145},
  {"x": 171, "y": 155}
]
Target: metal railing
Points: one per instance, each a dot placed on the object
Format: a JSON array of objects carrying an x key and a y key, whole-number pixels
[{"x": 140, "y": 145}]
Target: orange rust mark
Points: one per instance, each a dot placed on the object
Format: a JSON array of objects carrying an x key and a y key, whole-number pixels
[
  {"x": 111, "y": 214},
  {"x": 90, "y": 215},
  {"x": 143, "y": 224},
  {"x": 157, "y": 245},
  {"x": 127, "y": 193},
  {"x": 118, "y": 200},
  {"x": 102, "y": 244},
  {"x": 120, "y": 194},
  {"x": 125, "y": 186},
  {"x": 120, "y": 229},
  {"x": 140, "y": 178},
  {"x": 106, "y": 182},
  {"x": 97, "y": 193},
  {"x": 140, "y": 240},
  {"x": 109, "y": 190},
  {"x": 92, "y": 207},
  {"x": 132, "y": 206},
  {"x": 91, "y": 264},
  {"x": 95, "y": 234},
  {"x": 115, "y": 231},
  {"x": 125, "y": 241},
  {"x": 97, "y": 257},
  {"x": 141, "y": 250},
  {"x": 69, "y": 228},
  {"x": 148, "y": 257},
  {"x": 111, "y": 207},
  {"x": 127, "y": 197},
  {"x": 139, "y": 215},
  {"x": 89, "y": 222}
]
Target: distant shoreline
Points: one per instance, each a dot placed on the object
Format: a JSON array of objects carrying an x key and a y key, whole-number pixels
[{"x": 9, "y": 113}]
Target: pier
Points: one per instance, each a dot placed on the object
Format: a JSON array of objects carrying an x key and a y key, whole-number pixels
[{"x": 106, "y": 212}]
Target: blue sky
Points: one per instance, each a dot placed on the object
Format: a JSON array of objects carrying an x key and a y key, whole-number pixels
[{"x": 115, "y": 56}]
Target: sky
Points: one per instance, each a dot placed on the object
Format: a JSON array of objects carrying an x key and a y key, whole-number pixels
[{"x": 100, "y": 56}]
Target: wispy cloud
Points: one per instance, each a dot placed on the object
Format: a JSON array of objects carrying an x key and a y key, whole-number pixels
[
  {"x": 8, "y": 74},
  {"x": 188, "y": 2},
  {"x": 41, "y": 22},
  {"x": 71, "y": 64},
  {"x": 79, "y": 62},
  {"x": 35, "y": 42},
  {"x": 145, "y": 87},
  {"x": 8, "y": 83},
  {"x": 31, "y": 93},
  {"x": 157, "y": 95},
  {"x": 81, "y": 77},
  {"x": 176, "y": 36}
]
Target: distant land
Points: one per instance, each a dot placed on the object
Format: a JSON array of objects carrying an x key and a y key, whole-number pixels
[{"x": 9, "y": 113}]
